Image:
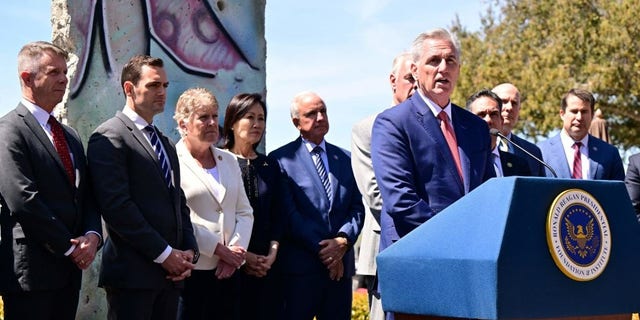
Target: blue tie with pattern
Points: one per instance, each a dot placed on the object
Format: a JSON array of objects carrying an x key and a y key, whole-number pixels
[
  {"x": 322, "y": 171},
  {"x": 157, "y": 147}
]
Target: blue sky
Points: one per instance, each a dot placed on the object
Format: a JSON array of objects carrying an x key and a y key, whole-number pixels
[{"x": 340, "y": 49}]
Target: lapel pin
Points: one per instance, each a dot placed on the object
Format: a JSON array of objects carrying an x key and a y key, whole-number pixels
[
  {"x": 509, "y": 164},
  {"x": 335, "y": 157},
  {"x": 220, "y": 158}
]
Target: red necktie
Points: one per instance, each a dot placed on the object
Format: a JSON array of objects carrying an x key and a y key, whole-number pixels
[
  {"x": 577, "y": 161},
  {"x": 450, "y": 136},
  {"x": 60, "y": 142}
]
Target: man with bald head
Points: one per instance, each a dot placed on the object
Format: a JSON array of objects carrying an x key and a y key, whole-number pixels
[
  {"x": 402, "y": 86},
  {"x": 510, "y": 97},
  {"x": 323, "y": 216},
  {"x": 487, "y": 105}
]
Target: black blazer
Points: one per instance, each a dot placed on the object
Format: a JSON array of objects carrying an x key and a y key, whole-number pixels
[
  {"x": 142, "y": 215},
  {"x": 535, "y": 167},
  {"x": 513, "y": 165},
  {"x": 41, "y": 210},
  {"x": 632, "y": 181}
]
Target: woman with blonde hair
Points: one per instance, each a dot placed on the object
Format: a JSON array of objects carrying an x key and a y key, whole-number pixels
[{"x": 221, "y": 214}]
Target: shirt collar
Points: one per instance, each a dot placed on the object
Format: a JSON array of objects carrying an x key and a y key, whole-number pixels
[
  {"x": 136, "y": 118},
  {"x": 435, "y": 108},
  {"x": 496, "y": 151},
  {"x": 40, "y": 114},
  {"x": 310, "y": 145},
  {"x": 568, "y": 142},
  {"x": 509, "y": 135}
]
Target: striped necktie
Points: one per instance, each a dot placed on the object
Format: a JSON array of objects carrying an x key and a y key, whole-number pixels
[
  {"x": 157, "y": 147},
  {"x": 577, "y": 161},
  {"x": 322, "y": 171}
]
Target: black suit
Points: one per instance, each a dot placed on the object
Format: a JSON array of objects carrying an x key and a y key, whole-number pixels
[
  {"x": 513, "y": 165},
  {"x": 535, "y": 167},
  {"x": 632, "y": 180},
  {"x": 41, "y": 212},
  {"x": 143, "y": 216}
]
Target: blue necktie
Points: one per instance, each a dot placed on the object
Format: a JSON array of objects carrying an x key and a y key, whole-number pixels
[
  {"x": 322, "y": 171},
  {"x": 157, "y": 147}
]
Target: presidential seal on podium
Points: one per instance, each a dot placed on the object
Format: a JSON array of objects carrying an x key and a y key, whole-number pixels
[{"x": 578, "y": 235}]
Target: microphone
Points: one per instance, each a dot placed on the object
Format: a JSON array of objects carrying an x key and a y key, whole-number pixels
[{"x": 497, "y": 133}]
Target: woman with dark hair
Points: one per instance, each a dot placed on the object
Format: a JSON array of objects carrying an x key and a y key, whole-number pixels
[{"x": 244, "y": 127}]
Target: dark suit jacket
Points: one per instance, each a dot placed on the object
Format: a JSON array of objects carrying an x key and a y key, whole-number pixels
[
  {"x": 535, "y": 167},
  {"x": 414, "y": 166},
  {"x": 309, "y": 218},
  {"x": 41, "y": 210},
  {"x": 142, "y": 215},
  {"x": 604, "y": 160},
  {"x": 632, "y": 180},
  {"x": 513, "y": 165}
]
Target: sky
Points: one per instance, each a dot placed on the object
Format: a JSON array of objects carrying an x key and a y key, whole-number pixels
[{"x": 342, "y": 50}]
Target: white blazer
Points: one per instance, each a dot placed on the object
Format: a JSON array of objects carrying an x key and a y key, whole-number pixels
[{"x": 226, "y": 219}]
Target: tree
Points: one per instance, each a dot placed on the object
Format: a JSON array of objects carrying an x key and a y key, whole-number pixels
[{"x": 546, "y": 47}]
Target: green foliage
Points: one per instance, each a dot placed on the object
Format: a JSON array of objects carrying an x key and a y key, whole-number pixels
[{"x": 546, "y": 47}]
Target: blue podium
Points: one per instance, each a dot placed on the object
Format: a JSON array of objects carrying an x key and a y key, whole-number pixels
[{"x": 520, "y": 247}]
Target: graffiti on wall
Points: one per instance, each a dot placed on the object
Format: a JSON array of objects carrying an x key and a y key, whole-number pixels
[{"x": 218, "y": 45}]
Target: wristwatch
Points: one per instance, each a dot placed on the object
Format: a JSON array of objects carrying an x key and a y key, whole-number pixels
[{"x": 196, "y": 256}]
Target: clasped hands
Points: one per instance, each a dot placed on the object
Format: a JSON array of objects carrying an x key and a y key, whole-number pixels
[
  {"x": 179, "y": 264},
  {"x": 85, "y": 250},
  {"x": 331, "y": 253},
  {"x": 258, "y": 265},
  {"x": 231, "y": 259}
]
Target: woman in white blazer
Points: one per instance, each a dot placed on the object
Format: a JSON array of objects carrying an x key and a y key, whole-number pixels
[{"x": 221, "y": 214}]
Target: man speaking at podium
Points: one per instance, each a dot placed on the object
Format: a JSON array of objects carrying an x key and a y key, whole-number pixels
[{"x": 427, "y": 152}]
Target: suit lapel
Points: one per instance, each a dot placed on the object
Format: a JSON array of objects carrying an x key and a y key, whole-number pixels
[
  {"x": 143, "y": 142},
  {"x": 33, "y": 125},
  {"x": 558, "y": 159},
  {"x": 335, "y": 170},
  {"x": 307, "y": 163},
  {"x": 139, "y": 136},
  {"x": 507, "y": 162},
  {"x": 198, "y": 172},
  {"x": 461, "y": 130},
  {"x": 594, "y": 158},
  {"x": 432, "y": 127},
  {"x": 223, "y": 173}
]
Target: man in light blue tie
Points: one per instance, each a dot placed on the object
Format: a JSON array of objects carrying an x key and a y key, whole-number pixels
[{"x": 323, "y": 215}]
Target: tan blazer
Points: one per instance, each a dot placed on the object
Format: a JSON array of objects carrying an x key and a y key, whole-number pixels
[{"x": 226, "y": 219}]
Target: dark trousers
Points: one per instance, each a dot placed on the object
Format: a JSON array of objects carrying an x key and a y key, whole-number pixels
[
  {"x": 41, "y": 305},
  {"x": 143, "y": 304},
  {"x": 206, "y": 297},
  {"x": 315, "y": 295},
  {"x": 259, "y": 298}
]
